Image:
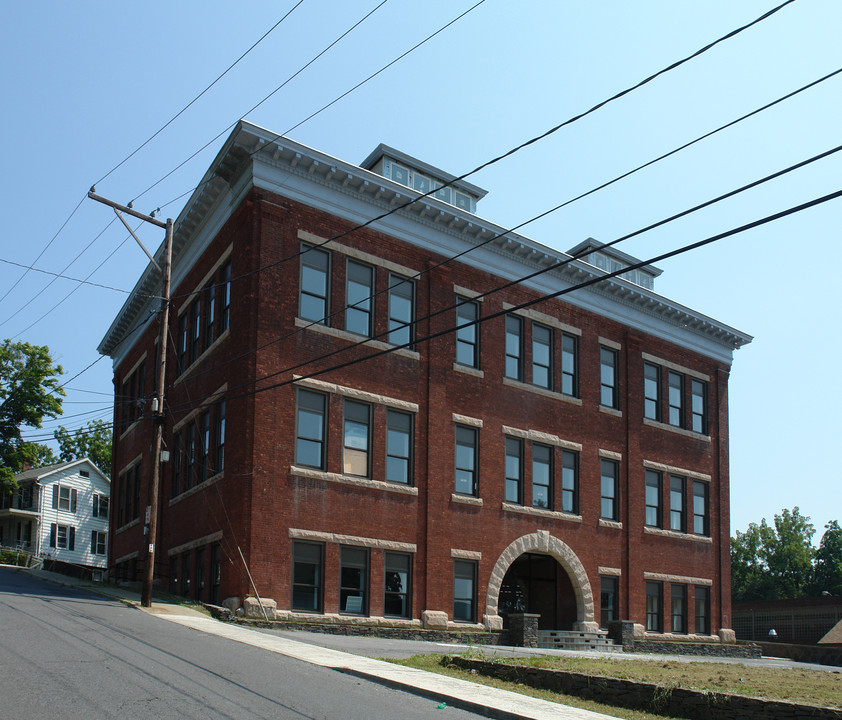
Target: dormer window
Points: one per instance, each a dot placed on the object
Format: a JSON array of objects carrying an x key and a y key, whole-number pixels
[{"x": 612, "y": 261}]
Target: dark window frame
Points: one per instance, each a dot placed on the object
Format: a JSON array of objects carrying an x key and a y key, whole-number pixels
[
  {"x": 401, "y": 329},
  {"x": 363, "y": 306},
  {"x": 698, "y": 406},
  {"x": 538, "y": 448},
  {"x": 654, "y": 513},
  {"x": 652, "y": 391},
  {"x": 394, "y": 456},
  {"x": 318, "y": 262},
  {"x": 467, "y": 431},
  {"x": 678, "y": 511},
  {"x": 609, "y": 395},
  {"x": 609, "y": 599},
  {"x": 315, "y": 588},
  {"x": 355, "y": 559},
  {"x": 513, "y": 450},
  {"x": 513, "y": 348},
  {"x": 678, "y": 610},
  {"x": 569, "y": 364},
  {"x": 570, "y": 495},
  {"x": 357, "y": 414},
  {"x": 675, "y": 399},
  {"x": 701, "y": 520},
  {"x": 465, "y": 570},
  {"x": 467, "y": 332},
  {"x": 654, "y": 606},
  {"x": 322, "y": 413},
  {"x": 541, "y": 368},
  {"x": 614, "y": 496},
  {"x": 397, "y": 563}
]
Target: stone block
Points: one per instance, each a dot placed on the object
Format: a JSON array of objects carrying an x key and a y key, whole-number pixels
[
  {"x": 252, "y": 608},
  {"x": 434, "y": 619}
]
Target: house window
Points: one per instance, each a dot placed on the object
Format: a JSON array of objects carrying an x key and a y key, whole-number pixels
[
  {"x": 651, "y": 391},
  {"x": 542, "y": 356},
  {"x": 224, "y": 297},
  {"x": 396, "y": 591},
  {"x": 398, "y": 447},
  {"x": 310, "y": 431},
  {"x": 514, "y": 470},
  {"x": 677, "y": 506},
  {"x": 467, "y": 332},
  {"x": 654, "y": 595},
  {"x": 514, "y": 351},
  {"x": 698, "y": 406},
  {"x": 100, "y": 505},
  {"x": 204, "y": 447},
  {"x": 353, "y": 580},
  {"x": 569, "y": 365},
  {"x": 26, "y": 495},
  {"x": 62, "y": 537},
  {"x": 358, "y": 294},
  {"x": 609, "y": 509},
  {"x": 313, "y": 291},
  {"x": 219, "y": 447},
  {"x": 64, "y": 498},
  {"x": 608, "y": 377},
  {"x": 307, "y": 576},
  {"x": 195, "y": 328},
  {"x": 542, "y": 476},
  {"x": 701, "y": 522},
  {"x": 570, "y": 481},
  {"x": 653, "y": 498},
  {"x": 466, "y": 460},
  {"x": 702, "y": 598},
  {"x": 464, "y": 590},
  {"x": 401, "y": 310},
  {"x": 678, "y": 612},
  {"x": 609, "y": 600},
  {"x": 210, "y": 307},
  {"x": 676, "y": 399},
  {"x": 98, "y": 540},
  {"x": 356, "y": 439}
]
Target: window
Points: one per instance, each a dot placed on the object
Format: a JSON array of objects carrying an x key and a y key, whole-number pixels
[
  {"x": 100, "y": 505},
  {"x": 676, "y": 399},
  {"x": 224, "y": 297},
  {"x": 677, "y": 508},
  {"x": 353, "y": 580},
  {"x": 464, "y": 590},
  {"x": 401, "y": 310},
  {"x": 219, "y": 446},
  {"x": 98, "y": 542},
  {"x": 398, "y": 447},
  {"x": 608, "y": 377},
  {"x": 62, "y": 537},
  {"x": 542, "y": 476},
  {"x": 307, "y": 576},
  {"x": 466, "y": 460},
  {"x": 702, "y": 595},
  {"x": 136, "y": 496},
  {"x": 64, "y": 498},
  {"x": 654, "y": 594},
  {"x": 210, "y": 307},
  {"x": 514, "y": 353},
  {"x": 570, "y": 481},
  {"x": 701, "y": 524},
  {"x": 651, "y": 391},
  {"x": 313, "y": 292},
  {"x": 396, "y": 592},
  {"x": 189, "y": 455},
  {"x": 609, "y": 600},
  {"x": 653, "y": 498},
  {"x": 467, "y": 333},
  {"x": 358, "y": 294},
  {"x": 542, "y": 356},
  {"x": 698, "y": 407},
  {"x": 569, "y": 365},
  {"x": 678, "y": 612},
  {"x": 356, "y": 439},
  {"x": 310, "y": 431},
  {"x": 514, "y": 470},
  {"x": 609, "y": 476},
  {"x": 177, "y": 459},
  {"x": 183, "y": 341},
  {"x": 204, "y": 447},
  {"x": 195, "y": 328}
]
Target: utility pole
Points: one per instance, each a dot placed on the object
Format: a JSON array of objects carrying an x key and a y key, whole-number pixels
[{"x": 158, "y": 415}]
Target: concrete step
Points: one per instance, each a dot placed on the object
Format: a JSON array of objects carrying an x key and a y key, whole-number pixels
[{"x": 575, "y": 640}]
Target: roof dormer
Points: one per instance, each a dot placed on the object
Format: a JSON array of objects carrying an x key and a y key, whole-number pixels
[{"x": 611, "y": 260}]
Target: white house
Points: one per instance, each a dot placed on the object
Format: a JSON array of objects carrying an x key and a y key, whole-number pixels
[{"x": 59, "y": 512}]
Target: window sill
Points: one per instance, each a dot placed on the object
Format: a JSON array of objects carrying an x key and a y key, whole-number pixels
[
  {"x": 677, "y": 535},
  {"x": 468, "y": 370},
  {"x": 541, "y": 512},
  {"x": 196, "y": 488},
  {"x": 541, "y": 391},
  {"x": 335, "y": 618},
  {"x": 301, "y": 472},
  {"x": 354, "y": 338},
  {"x": 610, "y": 524},
  {"x": 611, "y": 411},
  {"x": 128, "y": 525},
  {"x": 466, "y": 499},
  {"x": 679, "y": 431}
]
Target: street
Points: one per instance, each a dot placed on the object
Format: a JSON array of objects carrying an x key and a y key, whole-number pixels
[{"x": 69, "y": 654}]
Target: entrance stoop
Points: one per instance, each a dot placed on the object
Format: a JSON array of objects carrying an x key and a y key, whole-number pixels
[{"x": 575, "y": 640}]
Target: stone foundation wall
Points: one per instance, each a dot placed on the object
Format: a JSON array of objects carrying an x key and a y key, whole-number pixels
[
  {"x": 818, "y": 654},
  {"x": 707, "y": 649}
]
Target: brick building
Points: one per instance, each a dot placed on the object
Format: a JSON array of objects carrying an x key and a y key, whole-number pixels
[{"x": 389, "y": 437}]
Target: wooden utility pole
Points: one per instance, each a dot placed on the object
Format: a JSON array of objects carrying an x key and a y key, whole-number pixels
[{"x": 158, "y": 415}]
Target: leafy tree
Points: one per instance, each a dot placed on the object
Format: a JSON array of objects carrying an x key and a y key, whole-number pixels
[
  {"x": 827, "y": 571},
  {"x": 29, "y": 392},
  {"x": 773, "y": 562},
  {"x": 92, "y": 441}
]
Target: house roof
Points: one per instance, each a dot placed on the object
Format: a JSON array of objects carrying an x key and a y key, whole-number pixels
[{"x": 47, "y": 470}]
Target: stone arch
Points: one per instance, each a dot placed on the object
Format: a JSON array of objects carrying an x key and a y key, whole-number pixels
[{"x": 542, "y": 542}]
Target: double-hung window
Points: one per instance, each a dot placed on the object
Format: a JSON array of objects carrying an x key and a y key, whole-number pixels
[
  {"x": 678, "y": 611},
  {"x": 353, "y": 580},
  {"x": 698, "y": 406},
  {"x": 314, "y": 290},
  {"x": 359, "y": 292},
  {"x": 653, "y": 498},
  {"x": 608, "y": 396},
  {"x": 195, "y": 328},
  {"x": 609, "y": 477},
  {"x": 676, "y": 399},
  {"x": 569, "y": 365},
  {"x": 307, "y": 576},
  {"x": 210, "y": 307},
  {"x": 464, "y": 590},
  {"x": 98, "y": 540},
  {"x": 570, "y": 481},
  {"x": 654, "y": 601},
  {"x": 466, "y": 460},
  {"x": 542, "y": 356},
  {"x": 396, "y": 591},
  {"x": 514, "y": 348},
  {"x": 467, "y": 332},
  {"x": 356, "y": 439},
  {"x": 651, "y": 391},
  {"x": 310, "y": 429},
  {"x": 514, "y": 470},
  {"x": 701, "y": 520},
  {"x": 224, "y": 297},
  {"x": 219, "y": 438},
  {"x": 542, "y": 476},
  {"x": 398, "y": 447},
  {"x": 190, "y": 455},
  {"x": 401, "y": 310},
  {"x": 677, "y": 504},
  {"x": 100, "y": 505},
  {"x": 609, "y": 600},
  {"x": 204, "y": 447},
  {"x": 183, "y": 341},
  {"x": 702, "y": 602}
]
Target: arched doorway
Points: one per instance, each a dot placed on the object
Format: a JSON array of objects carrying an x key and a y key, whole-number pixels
[
  {"x": 577, "y": 608},
  {"x": 536, "y": 583}
]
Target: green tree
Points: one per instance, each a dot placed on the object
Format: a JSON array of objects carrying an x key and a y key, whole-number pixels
[
  {"x": 827, "y": 571},
  {"x": 771, "y": 562},
  {"x": 92, "y": 441},
  {"x": 29, "y": 392}
]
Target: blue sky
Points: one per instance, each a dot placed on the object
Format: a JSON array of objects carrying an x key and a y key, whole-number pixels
[{"x": 86, "y": 83}]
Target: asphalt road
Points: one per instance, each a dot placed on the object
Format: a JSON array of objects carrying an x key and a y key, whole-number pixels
[{"x": 68, "y": 654}]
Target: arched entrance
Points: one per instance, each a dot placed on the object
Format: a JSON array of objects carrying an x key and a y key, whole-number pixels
[{"x": 540, "y": 573}]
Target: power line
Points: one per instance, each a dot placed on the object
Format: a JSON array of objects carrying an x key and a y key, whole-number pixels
[{"x": 61, "y": 277}]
